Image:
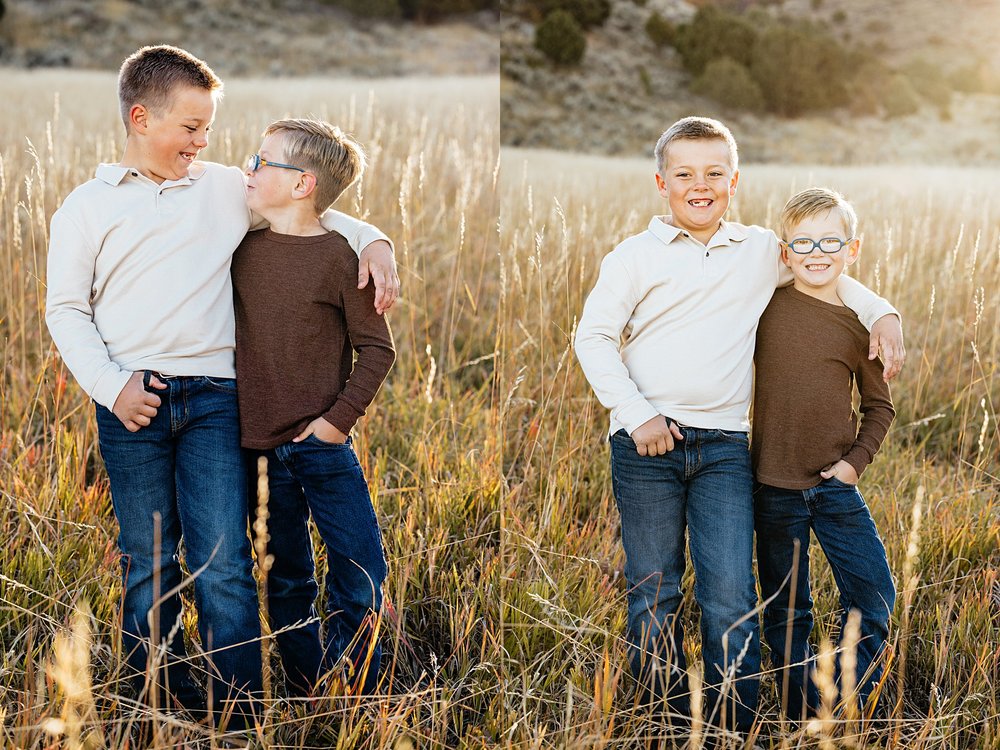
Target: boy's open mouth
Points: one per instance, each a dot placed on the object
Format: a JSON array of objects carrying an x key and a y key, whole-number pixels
[
  {"x": 817, "y": 266},
  {"x": 187, "y": 156},
  {"x": 701, "y": 202}
]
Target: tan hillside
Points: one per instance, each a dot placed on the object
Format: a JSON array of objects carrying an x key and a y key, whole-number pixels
[
  {"x": 626, "y": 90},
  {"x": 244, "y": 37}
]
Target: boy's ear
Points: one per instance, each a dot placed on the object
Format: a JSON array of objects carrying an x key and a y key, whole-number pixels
[
  {"x": 305, "y": 186},
  {"x": 661, "y": 186},
  {"x": 853, "y": 251},
  {"x": 784, "y": 252},
  {"x": 733, "y": 182},
  {"x": 138, "y": 117}
]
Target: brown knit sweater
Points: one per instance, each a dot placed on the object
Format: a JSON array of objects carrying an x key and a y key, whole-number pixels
[
  {"x": 299, "y": 319},
  {"x": 809, "y": 355}
]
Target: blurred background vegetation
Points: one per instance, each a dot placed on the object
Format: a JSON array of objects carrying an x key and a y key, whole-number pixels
[
  {"x": 758, "y": 61},
  {"x": 369, "y": 38}
]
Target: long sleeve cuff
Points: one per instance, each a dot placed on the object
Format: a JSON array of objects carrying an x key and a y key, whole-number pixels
[
  {"x": 109, "y": 385},
  {"x": 634, "y": 414},
  {"x": 859, "y": 457}
]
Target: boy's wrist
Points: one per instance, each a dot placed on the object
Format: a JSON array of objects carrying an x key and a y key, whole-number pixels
[
  {"x": 858, "y": 458},
  {"x": 337, "y": 416}
]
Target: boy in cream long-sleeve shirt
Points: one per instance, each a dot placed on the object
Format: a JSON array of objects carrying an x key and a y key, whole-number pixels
[
  {"x": 666, "y": 340},
  {"x": 140, "y": 305}
]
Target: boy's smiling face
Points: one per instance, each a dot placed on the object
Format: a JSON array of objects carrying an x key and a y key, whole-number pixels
[
  {"x": 816, "y": 273},
  {"x": 170, "y": 141},
  {"x": 698, "y": 182}
]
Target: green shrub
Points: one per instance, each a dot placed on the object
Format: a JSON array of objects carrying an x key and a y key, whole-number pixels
[
  {"x": 800, "y": 69},
  {"x": 728, "y": 82},
  {"x": 587, "y": 13},
  {"x": 560, "y": 38},
  {"x": 660, "y": 30},
  {"x": 712, "y": 34}
]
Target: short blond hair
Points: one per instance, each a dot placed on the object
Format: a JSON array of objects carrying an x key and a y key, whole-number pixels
[
  {"x": 694, "y": 129},
  {"x": 336, "y": 159},
  {"x": 815, "y": 201},
  {"x": 149, "y": 75}
]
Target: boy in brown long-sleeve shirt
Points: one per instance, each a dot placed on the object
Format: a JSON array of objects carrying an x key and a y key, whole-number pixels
[
  {"x": 299, "y": 320},
  {"x": 808, "y": 451}
]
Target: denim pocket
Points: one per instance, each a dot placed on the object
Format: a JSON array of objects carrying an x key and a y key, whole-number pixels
[
  {"x": 840, "y": 483},
  {"x": 312, "y": 437},
  {"x": 622, "y": 435},
  {"x": 226, "y": 385},
  {"x": 742, "y": 438}
]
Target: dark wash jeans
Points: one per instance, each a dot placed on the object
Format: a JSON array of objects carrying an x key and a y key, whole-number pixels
[
  {"x": 703, "y": 486},
  {"x": 326, "y": 481},
  {"x": 188, "y": 467},
  {"x": 838, "y": 515}
]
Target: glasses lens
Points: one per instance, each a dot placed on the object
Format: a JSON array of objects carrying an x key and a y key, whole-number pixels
[
  {"x": 830, "y": 244},
  {"x": 802, "y": 246},
  {"x": 253, "y": 163}
]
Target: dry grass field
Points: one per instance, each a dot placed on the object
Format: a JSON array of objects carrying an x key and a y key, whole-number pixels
[{"x": 484, "y": 449}]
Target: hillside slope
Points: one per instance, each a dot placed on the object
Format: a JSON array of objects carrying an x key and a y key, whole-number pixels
[
  {"x": 626, "y": 89},
  {"x": 244, "y": 37}
]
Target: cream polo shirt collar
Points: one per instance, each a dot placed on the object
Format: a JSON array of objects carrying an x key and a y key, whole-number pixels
[
  {"x": 113, "y": 174},
  {"x": 728, "y": 232}
]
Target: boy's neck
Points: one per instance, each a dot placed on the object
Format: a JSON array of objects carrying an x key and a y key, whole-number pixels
[
  {"x": 826, "y": 293},
  {"x": 132, "y": 158},
  {"x": 294, "y": 221}
]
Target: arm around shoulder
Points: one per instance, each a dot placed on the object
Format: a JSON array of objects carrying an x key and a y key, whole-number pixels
[
  {"x": 374, "y": 251},
  {"x": 359, "y": 234},
  {"x": 868, "y": 305}
]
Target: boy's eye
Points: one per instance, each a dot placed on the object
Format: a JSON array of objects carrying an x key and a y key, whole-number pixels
[{"x": 190, "y": 128}]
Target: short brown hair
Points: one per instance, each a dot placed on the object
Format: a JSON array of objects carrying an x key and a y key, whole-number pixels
[
  {"x": 148, "y": 77},
  {"x": 815, "y": 201},
  {"x": 694, "y": 129},
  {"x": 324, "y": 150}
]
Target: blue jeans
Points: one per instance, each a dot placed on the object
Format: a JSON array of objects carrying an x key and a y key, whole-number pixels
[
  {"x": 703, "y": 486},
  {"x": 325, "y": 480},
  {"x": 837, "y": 514},
  {"x": 187, "y": 467}
]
